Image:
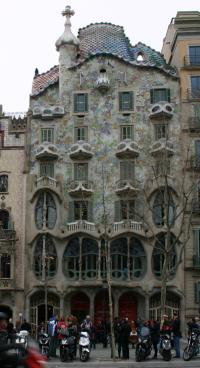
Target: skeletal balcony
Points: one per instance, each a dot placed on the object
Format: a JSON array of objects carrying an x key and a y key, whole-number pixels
[
  {"x": 81, "y": 150},
  {"x": 80, "y": 188},
  {"x": 102, "y": 82},
  {"x": 127, "y": 149},
  {"x": 127, "y": 187},
  {"x": 162, "y": 147},
  {"x": 48, "y": 112},
  {"x": 161, "y": 109},
  {"x": 47, "y": 151}
]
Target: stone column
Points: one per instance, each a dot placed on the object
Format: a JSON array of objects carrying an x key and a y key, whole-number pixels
[
  {"x": 62, "y": 306},
  {"x": 92, "y": 296},
  {"x": 147, "y": 306}
]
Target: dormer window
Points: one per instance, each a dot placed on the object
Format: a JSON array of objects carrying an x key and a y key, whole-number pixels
[{"x": 140, "y": 57}]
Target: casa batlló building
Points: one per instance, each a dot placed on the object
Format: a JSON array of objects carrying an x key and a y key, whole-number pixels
[{"x": 97, "y": 124}]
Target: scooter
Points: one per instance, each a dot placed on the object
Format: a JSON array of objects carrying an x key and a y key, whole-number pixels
[
  {"x": 144, "y": 345},
  {"x": 21, "y": 341},
  {"x": 165, "y": 347},
  {"x": 68, "y": 348},
  {"x": 192, "y": 347},
  {"x": 44, "y": 341},
  {"x": 84, "y": 346}
]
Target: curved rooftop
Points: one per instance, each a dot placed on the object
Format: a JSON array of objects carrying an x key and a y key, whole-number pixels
[{"x": 106, "y": 39}]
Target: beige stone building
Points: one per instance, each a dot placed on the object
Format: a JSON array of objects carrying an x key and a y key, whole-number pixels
[
  {"x": 12, "y": 214},
  {"x": 97, "y": 124},
  {"x": 181, "y": 47}
]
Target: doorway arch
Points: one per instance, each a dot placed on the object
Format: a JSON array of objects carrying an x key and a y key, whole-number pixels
[
  {"x": 128, "y": 306},
  {"x": 80, "y": 306},
  {"x": 101, "y": 307}
]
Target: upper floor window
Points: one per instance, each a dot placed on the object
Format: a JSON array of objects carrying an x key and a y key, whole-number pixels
[
  {"x": 5, "y": 266},
  {"x": 126, "y": 101},
  {"x": 81, "y": 171},
  {"x": 47, "y": 169},
  {"x": 45, "y": 257},
  {"x": 47, "y": 135},
  {"x": 4, "y": 219},
  {"x": 81, "y": 133},
  {"x": 137, "y": 259},
  {"x": 125, "y": 210},
  {"x": 164, "y": 249},
  {"x": 195, "y": 86},
  {"x": 3, "y": 183},
  {"x": 126, "y": 132},
  {"x": 197, "y": 150},
  {"x": 160, "y": 94},
  {"x": 197, "y": 244},
  {"x": 80, "y": 210},
  {"x": 162, "y": 166},
  {"x": 127, "y": 170},
  {"x": 45, "y": 211},
  {"x": 1, "y": 139},
  {"x": 196, "y": 109},
  {"x": 80, "y": 102},
  {"x": 161, "y": 131},
  {"x": 163, "y": 208},
  {"x": 194, "y": 53}
]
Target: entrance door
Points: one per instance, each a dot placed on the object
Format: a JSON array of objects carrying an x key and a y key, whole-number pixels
[
  {"x": 5, "y": 309},
  {"x": 80, "y": 306},
  {"x": 128, "y": 306},
  {"x": 41, "y": 313}
]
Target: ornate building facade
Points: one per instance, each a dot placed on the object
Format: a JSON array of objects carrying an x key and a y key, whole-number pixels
[{"x": 97, "y": 123}]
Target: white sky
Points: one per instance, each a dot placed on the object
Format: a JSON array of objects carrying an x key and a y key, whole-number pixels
[{"x": 29, "y": 29}]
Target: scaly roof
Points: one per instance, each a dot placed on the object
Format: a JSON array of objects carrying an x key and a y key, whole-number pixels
[{"x": 106, "y": 39}]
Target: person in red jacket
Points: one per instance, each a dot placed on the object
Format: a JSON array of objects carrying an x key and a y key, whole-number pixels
[{"x": 62, "y": 328}]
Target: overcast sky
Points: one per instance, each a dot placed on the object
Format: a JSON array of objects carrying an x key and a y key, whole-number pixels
[{"x": 29, "y": 29}]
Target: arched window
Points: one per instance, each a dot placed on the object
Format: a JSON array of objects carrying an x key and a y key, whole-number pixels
[
  {"x": 89, "y": 258},
  {"x": 4, "y": 219},
  {"x": 45, "y": 257},
  {"x": 163, "y": 208},
  {"x": 159, "y": 254},
  {"x": 137, "y": 259},
  {"x": 118, "y": 254},
  {"x": 45, "y": 211},
  {"x": 71, "y": 259}
]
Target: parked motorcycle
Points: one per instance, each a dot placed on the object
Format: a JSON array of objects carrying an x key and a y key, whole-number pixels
[
  {"x": 192, "y": 347},
  {"x": 68, "y": 348},
  {"x": 165, "y": 347},
  {"x": 44, "y": 341},
  {"x": 144, "y": 345},
  {"x": 21, "y": 341},
  {"x": 84, "y": 346}
]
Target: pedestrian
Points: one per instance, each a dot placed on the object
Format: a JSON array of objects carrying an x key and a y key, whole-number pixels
[
  {"x": 61, "y": 329},
  {"x": 155, "y": 336},
  {"x": 52, "y": 332},
  {"x": 125, "y": 334},
  {"x": 10, "y": 331},
  {"x": 25, "y": 326},
  {"x": 3, "y": 328},
  {"x": 176, "y": 334}
]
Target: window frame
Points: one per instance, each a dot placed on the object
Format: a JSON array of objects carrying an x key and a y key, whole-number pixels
[
  {"x": 155, "y": 99},
  {"x": 49, "y": 133},
  {"x": 4, "y": 273},
  {"x": 196, "y": 54},
  {"x": 6, "y": 186},
  {"x": 159, "y": 129},
  {"x": 83, "y": 135},
  {"x": 77, "y": 103},
  {"x": 126, "y": 106},
  {"x": 51, "y": 168},
  {"x": 126, "y": 136}
]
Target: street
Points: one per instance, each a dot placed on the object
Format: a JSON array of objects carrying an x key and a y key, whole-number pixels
[{"x": 101, "y": 358}]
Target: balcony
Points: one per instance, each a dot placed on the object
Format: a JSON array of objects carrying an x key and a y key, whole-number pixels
[
  {"x": 161, "y": 110},
  {"x": 80, "y": 188},
  {"x": 47, "y": 151},
  {"x": 125, "y": 225},
  {"x": 81, "y": 150},
  {"x": 194, "y": 124},
  {"x": 81, "y": 225},
  {"x": 46, "y": 183},
  {"x": 48, "y": 112},
  {"x": 192, "y": 62},
  {"x": 7, "y": 235},
  {"x": 127, "y": 187},
  {"x": 162, "y": 146},
  {"x": 193, "y": 94},
  {"x": 102, "y": 83},
  {"x": 127, "y": 149},
  {"x": 196, "y": 206},
  {"x": 196, "y": 261},
  {"x": 194, "y": 163},
  {"x": 7, "y": 284}
]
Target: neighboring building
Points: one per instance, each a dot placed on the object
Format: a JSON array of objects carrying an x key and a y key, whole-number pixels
[
  {"x": 12, "y": 214},
  {"x": 96, "y": 123},
  {"x": 181, "y": 47}
]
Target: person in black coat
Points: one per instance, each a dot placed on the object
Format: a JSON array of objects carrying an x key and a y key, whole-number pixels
[
  {"x": 125, "y": 335},
  {"x": 176, "y": 333},
  {"x": 155, "y": 336}
]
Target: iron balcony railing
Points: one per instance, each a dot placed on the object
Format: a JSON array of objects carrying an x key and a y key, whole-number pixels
[
  {"x": 193, "y": 94},
  {"x": 192, "y": 61},
  {"x": 7, "y": 235}
]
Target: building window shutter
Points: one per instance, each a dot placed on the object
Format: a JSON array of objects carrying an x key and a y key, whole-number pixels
[
  {"x": 196, "y": 242},
  {"x": 117, "y": 211},
  {"x": 168, "y": 95},
  {"x": 86, "y": 102},
  {"x": 120, "y": 101},
  {"x": 152, "y": 96},
  {"x": 71, "y": 211},
  {"x": 131, "y": 100}
]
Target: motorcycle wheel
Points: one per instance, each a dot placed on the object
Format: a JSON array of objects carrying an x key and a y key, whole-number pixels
[
  {"x": 188, "y": 353},
  {"x": 138, "y": 355},
  {"x": 167, "y": 357},
  {"x": 84, "y": 356},
  {"x": 63, "y": 355}
]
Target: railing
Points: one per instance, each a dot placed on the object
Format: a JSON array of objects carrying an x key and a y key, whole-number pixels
[
  {"x": 196, "y": 261},
  {"x": 194, "y": 123},
  {"x": 193, "y": 94},
  {"x": 194, "y": 163},
  {"x": 6, "y": 283},
  {"x": 46, "y": 181},
  {"x": 77, "y": 184},
  {"x": 123, "y": 183},
  {"x": 81, "y": 225},
  {"x": 192, "y": 61},
  {"x": 7, "y": 234},
  {"x": 127, "y": 224}
]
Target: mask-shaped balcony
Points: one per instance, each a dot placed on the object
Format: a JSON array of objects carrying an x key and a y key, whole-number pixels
[
  {"x": 126, "y": 187},
  {"x": 80, "y": 188},
  {"x": 46, "y": 183},
  {"x": 47, "y": 151},
  {"x": 81, "y": 150},
  {"x": 162, "y": 147},
  {"x": 161, "y": 109},
  {"x": 102, "y": 83},
  {"x": 127, "y": 149}
]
